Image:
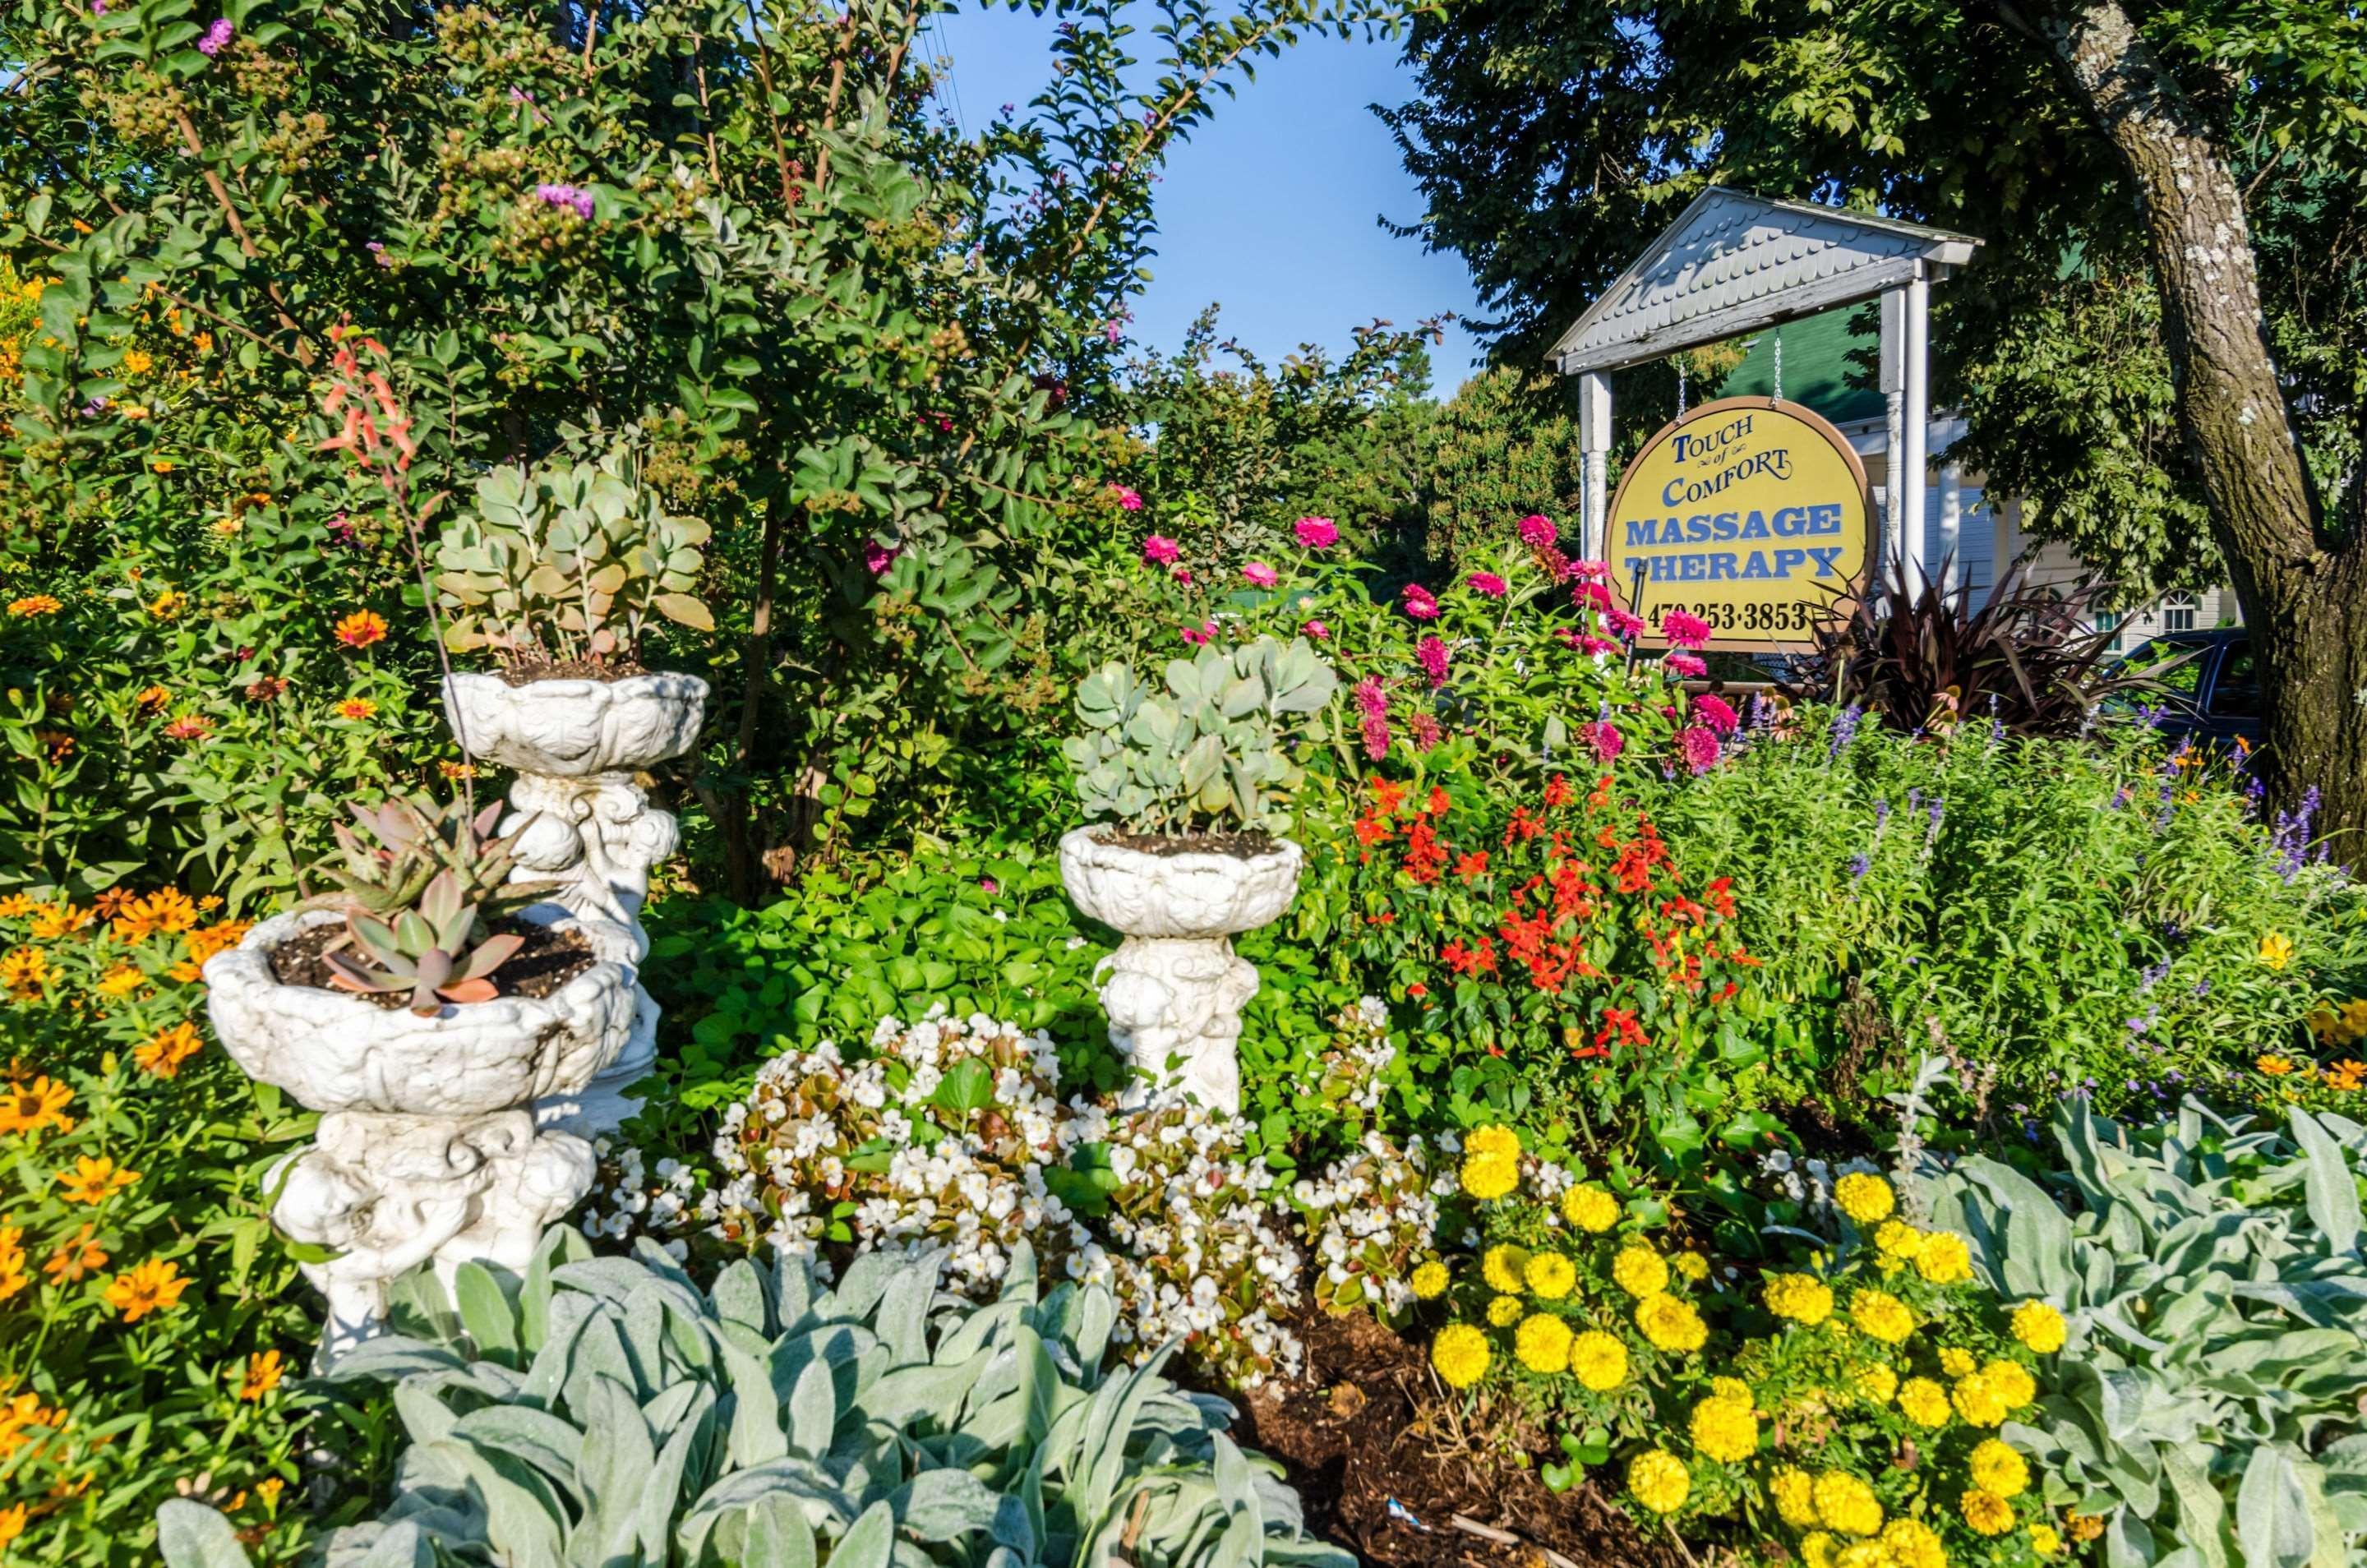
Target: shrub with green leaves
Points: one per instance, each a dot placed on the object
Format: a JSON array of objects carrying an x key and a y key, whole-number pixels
[
  {"x": 606, "y": 1410},
  {"x": 2211, "y": 1281},
  {"x": 1213, "y": 750}
]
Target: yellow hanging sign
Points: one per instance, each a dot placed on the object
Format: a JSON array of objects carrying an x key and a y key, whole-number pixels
[{"x": 1749, "y": 513}]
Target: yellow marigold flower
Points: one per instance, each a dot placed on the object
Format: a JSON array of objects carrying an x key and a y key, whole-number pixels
[
  {"x": 1865, "y": 1197},
  {"x": 1504, "y": 1267},
  {"x": 1956, "y": 1362},
  {"x": 1882, "y": 1315},
  {"x": 1996, "y": 1468},
  {"x": 1640, "y": 1271},
  {"x": 168, "y": 1049},
  {"x": 1846, "y": 1504},
  {"x": 29, "y": 1107},
  {"x": 1670, "y": 1325},
  {"x": 1488, "y": 1177},
  {"x": 1724, "y": 1429},
  {"x": 1429, "y": 1280},
  {"x": 1691, "y": 1266},
  {"x": 2039, "y": 1327},
  {"x": 1817, "y": 1549},
  {"x": 150, "y": 1287},
  {"x": 262, "y": 1376},
  {"x": 2044, "y": 1541},
  {"x": 1896, "y": 1238},
  {"x": 1977, "y": 1401},
  {"x": 93, "y": 1180},
  {"x": 1460, "y": 1353},
  {"x": 1542, "y": 1344},
  {"x": 1803, "y": 1298},
  {"x": 1731, "y": 1388},
  {"x": 2276, "y": 950},
  {"x": 2012, "y": 1383},
  {"x": 1589, "y": 1208},
  {"x": 1877, "y": 1383},
  {"x": 1659, "y": 1480},
  {"x": 1597, "y": 1361},
  {"x": 1943, "y": 1260},
  {"x": 35, "y": 604},
  {"x": 120, "y": 981},
  {"x": 1911, "y": 1543},
  {"x": 1924, "y": 1402},
  {"x": 1505, "y": 1311},
  {"x": 1793, "y": 1492},
  {"x": 1986, "y": 1512},
  {"x": 1494, "y": 1140},
  {"x": 1550, "y": 1276}
]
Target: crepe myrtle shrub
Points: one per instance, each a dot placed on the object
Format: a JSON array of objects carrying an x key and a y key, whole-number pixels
[
  {"x": 420, "y": 904},
  {"x": 2209, "y": 1280},
  {"x": 567, "y": 563},
  {"x": 1214, "y": 748},
  {"x": 608, "y": 1410}
]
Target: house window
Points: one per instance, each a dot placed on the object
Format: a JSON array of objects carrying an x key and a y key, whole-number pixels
[
  {"x": 2178, "y": 613},
  {"x": 2110, "y": 621}
]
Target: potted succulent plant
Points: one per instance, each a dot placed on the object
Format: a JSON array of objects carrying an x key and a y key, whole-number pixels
[
  {"x": 424, "y": 1007},
  {"x": 558, "y": 571},
  {"x": 1185, "y": 788}
]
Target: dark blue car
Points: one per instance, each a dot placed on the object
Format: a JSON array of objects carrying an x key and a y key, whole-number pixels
[{"x": 2213, "y": 687}]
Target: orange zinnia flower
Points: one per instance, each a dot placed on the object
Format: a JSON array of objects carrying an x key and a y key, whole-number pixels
[
  {"x": 151, "y": 699},
  {"x": 262, "y": 1376},
  {"x": 361, "y": 628},
  {"x": 77, "y": 1257},
  {"x": 357, "y": 707},
  {"x": 29, "y": 1107},
  {"x": 189, "y": 727},
  {"x": 93, "y": 1180},
  {"x": 150, "y": 1287},
  {"x": 164, "y": 1054},
  {"x": 35, "y": 604}
]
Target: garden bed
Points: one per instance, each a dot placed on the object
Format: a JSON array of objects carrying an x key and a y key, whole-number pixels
[{"x": 1367, "y": 1428}]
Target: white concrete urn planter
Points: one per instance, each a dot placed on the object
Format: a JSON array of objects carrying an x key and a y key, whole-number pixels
[
  {"x": 1174, "y": 990},
  {"x": 587, "y": 821},
  {"x": 427, "y": 1148}
]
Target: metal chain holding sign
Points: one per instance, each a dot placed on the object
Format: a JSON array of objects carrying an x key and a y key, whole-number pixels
[
  {"x": 1779, "y": 365},
  {"x": 1681, "y": 389}
]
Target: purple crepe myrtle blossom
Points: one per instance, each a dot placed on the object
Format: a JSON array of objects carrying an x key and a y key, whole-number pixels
[
  {"x": 558, "y": 195},
  {"x": 217, "y": 38},
  {"x": 877, "y": 557}
]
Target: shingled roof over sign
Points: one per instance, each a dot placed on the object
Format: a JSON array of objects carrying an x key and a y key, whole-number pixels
[{"x": 1733, "y": 263}]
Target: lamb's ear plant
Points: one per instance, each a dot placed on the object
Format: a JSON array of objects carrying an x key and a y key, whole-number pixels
[
  {"x": 2208, "y": 1399},
  {"x": 605, "y": 1410},
  {"x": 567, "y": 563},
  {"x": 1211, "y": 748},
  {"x": 420, "y": 903}
]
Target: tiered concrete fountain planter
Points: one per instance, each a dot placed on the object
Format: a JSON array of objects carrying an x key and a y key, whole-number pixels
[
  {"x": 427, "y": 1147},
  {"x": 1174, "y": 990},
  {"x": 576, "y": 746}
]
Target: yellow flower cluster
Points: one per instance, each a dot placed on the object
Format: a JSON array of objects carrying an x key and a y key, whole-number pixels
[
  {"x": 1505, "y": 1268},
  {"x": 1460, "y": 1354},
  {"x": 2039, "y": 1327},
  {"x": 1846, "y": 1504},
  {"x": 1999, "y": 1468},
  {"x": 1589, "y": 1208},
  {"x": 1542, "y": 1344},
  {"x": 1659, "y": 1481},
  {"x": 1671, "y": 1326},
  {"x": 1640, "y": 1271},
  {"x": 1881, "y": 1315},
  {"x": 2339, "y": 1025},
  {"x": 1492, "y": 1163},
  {"x": 1803, "y": 1298},
  {"x": 1429, "y": 1280},
  {"x": 1865, "y": 1197},
  {"x": 1550, "y": 1276},
  {"x": 1725, "y": 1427},
  {"x": 1597, "y": 1361},
  {"x": 1943, "y": 1260}
]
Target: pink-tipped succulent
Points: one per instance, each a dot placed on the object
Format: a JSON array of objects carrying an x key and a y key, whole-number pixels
[{"x": 419, "y": 905}]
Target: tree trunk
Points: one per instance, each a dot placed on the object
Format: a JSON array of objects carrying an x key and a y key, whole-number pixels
[{"x": 2303, "y": 588}]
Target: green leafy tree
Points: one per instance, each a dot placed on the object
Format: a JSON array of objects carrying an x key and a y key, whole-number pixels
[
  {"x": 2216, "y": 153},
  {"x": 1505, "y": 445}
]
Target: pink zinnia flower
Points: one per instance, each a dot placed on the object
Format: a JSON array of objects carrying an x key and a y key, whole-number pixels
[
  {"x": 1158, "y": 550},
  {"x": 1425, "y": 732},
  {"x": 1716, "y": 713},
  {"x": 1699, "y": 748},
  {"x": 1590, "y": 596},
  {"x": 1264, "y": 576},
  {"x": 1317, "y": 533},
  {"x": 1591, "y": 570},
  {"x": 1623, "y": 624},
  {"x": 1685, "y": 664},
  {"x": 1202, "y": 635},
  {"x": 877, "y": 557},
  {"x": 1685, "y": 630},
  {"x": 1375, "y": 708},
  {"x": 1537, "y": 529},
  {"x": 1183, "y": 574},
  {"x": 1316, "y": 631},
  {"x": 1590, "y": 643},
  {"x": 1489, "y": 583},
  {"x": 1419, "y": 604},
  {"x": 1604, "y": 736},
  {"x": 1433, "y": 655},
  {"x": 1127, "y": 498}
]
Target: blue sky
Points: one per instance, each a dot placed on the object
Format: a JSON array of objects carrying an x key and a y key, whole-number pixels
[{"x": 1272, "y": 206}]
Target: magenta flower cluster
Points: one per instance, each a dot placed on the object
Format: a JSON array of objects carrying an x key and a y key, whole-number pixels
[
  {"x": 1159, "y": 550},
  {"x": 1537, "y": 531},
  {"x": 1489, "y": 585},
  {"x": 1433, "y": 655},
  {"x": 1317, "y": 533},
  {"x": 1263, "y": 575},
  {"x": 1419, "y": 602},
  {"x": 1375, "y": 707},
  {"x": 576, "y": 197},
  {"x": 217, "y": 38}
]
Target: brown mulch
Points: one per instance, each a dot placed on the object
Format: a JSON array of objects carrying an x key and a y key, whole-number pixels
[
  {"x": 1240, "y": 846},
  {"x": 548, "y": 961},
  {"x": 1364, "y": 1429},
  {"x": 526, "y": 674}
]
